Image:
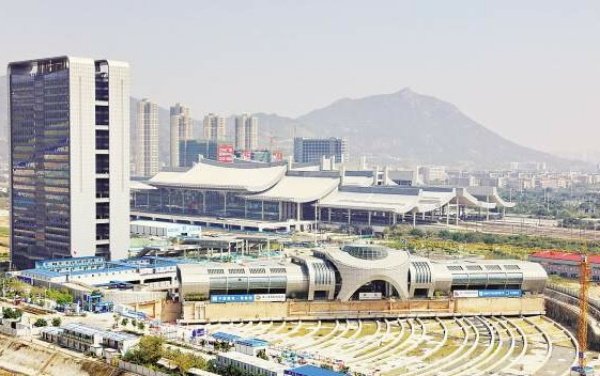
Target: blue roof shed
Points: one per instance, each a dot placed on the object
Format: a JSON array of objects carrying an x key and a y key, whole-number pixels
[{"x": 310, "y": 370}]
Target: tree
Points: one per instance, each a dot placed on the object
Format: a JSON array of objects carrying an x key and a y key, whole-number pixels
[
  {"x": 56, "y": 321},
  {"x": 133, "y": 323},
  {"x": 40, "y": 323},
  {"x": 9, "y": 313},
  {"x": 60, "y": 297},
  {"x": 141, "y": 325},
  {"x": 184, "y": 361},
  {"x": 12, "y": 287},
  {"x": 150, "y": 349},
  {"x": 262, "y": 353},
  {"x": 124, "y": 322},
  {"x": 36, "y": 292}
]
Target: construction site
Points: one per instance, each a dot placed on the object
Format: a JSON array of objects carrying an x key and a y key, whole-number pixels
[
  {"x": 359, "y": 308},
  {"x": 476, "y": 345}
]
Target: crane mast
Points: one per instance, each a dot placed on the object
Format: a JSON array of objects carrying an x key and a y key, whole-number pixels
[{"x": 582, "y": 327}]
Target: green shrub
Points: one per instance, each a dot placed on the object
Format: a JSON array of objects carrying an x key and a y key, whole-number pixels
[
  {"x": 10, "y": 313},
  {"x": 416, "y": 232}
]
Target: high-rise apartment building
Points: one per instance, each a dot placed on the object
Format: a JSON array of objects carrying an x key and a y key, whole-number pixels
[
  {"x": 69, "y": 156},
  {"x": 239, "y": 142},
  {"x": 311, "y": 150},
  {"x": 146, "y": 147},
  {"x": 214, "y": 127},
  {"x": 246, "y": 132},
  {"x": 181, "y": 131}
]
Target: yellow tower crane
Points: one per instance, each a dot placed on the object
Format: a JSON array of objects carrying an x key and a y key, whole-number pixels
[{"x": 582, "y": 325}]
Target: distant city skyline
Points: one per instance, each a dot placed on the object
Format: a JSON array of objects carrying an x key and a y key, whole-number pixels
[{"x": 526, "y": 70}]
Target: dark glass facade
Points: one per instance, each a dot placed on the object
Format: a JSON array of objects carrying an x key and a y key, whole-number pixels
[
  {"x": 311, "y": 150},
  {"x": 190, "y": 150},
  {"x": 39, "y": 113},
  {"x": 203, "y": 203}
]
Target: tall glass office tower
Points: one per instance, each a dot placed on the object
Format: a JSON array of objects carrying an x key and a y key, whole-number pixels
[{"x": 69, "y": 155}]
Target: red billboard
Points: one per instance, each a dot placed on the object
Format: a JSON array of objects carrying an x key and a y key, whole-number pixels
[
  {"x": 225, "y": 153},
  {"x": 277, "y": 156}
]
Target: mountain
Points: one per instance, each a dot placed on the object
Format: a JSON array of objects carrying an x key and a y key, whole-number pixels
[
  {"x": 409, "y": 127},
  {"x": 277, "y": 132}
]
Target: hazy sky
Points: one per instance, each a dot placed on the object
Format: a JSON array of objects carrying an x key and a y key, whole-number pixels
[{"x": 529, "y": 70}]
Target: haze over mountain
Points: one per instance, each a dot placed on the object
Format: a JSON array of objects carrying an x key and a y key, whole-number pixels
[
  {"x": 408, "y": 128},
  {"x": 399, "y": 128}
]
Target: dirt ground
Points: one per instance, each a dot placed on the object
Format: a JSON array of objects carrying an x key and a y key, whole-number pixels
[{"x": 21, "y": 357}]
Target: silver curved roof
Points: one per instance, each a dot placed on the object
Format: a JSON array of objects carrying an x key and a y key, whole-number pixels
[{"x": 392, "y": 259}]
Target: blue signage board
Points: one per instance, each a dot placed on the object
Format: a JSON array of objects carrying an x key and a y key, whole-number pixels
[
  {"x": 232, "y": 298},
  {"x": 198, "y": 332},
  {"x": 510, "y": 293},
  {"x": 25, "y": 279}
]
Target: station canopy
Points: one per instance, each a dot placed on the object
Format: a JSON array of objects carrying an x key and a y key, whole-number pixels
[
  {"x": 209, "y": 175},
  {"x": 299, "y": 189}
]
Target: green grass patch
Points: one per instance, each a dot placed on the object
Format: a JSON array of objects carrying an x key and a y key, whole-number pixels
[
  {"x": 368, "y": 329},
  {"x": 301, "y": 332}
]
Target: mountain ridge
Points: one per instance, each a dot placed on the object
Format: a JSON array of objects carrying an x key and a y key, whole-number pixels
[{"x": 412, "y": 127}]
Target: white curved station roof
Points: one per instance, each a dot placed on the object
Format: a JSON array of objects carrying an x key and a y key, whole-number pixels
[
  {"x": 465, "y": 198},
  {"x": 298, "y": 189},
  {"x": 210, "y": 176},
  {"x": 358, "y": 181},
  {"x": 371, "y": 200},
  {"x": 432, "y": 199},
  {"x": 138, "y": 185},
  {"x": 271, "y": 183},
  {"x": 491, "y": 194}
]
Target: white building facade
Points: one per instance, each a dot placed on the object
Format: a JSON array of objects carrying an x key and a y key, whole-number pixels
[
  {"x": 181, "y": 131},
  {"x": 214, "y": 127},
  {"x": 246, "y": 132},
  {"x": 146, "y": 147}
]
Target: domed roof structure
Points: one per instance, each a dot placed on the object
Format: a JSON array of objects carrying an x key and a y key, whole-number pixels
[
  {"x": 360, "y": 264},
  {"x": 366, "y": 252}
]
